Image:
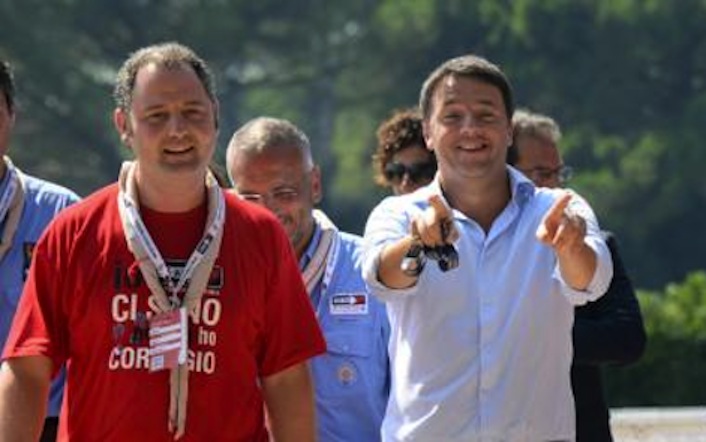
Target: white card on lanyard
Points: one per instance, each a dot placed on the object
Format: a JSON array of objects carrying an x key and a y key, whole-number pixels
[{"x": 168, "y": 339}]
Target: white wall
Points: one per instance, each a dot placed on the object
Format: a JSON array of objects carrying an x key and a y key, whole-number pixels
[{"x": 659, "y": 424}]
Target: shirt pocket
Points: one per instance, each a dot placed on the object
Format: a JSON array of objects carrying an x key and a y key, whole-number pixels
[{"x": 343, "y": 369}]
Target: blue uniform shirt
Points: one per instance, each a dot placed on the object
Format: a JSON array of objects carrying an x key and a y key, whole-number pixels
[
  {"x": 43, "y": 200},
  {"x": 353, "y": 378}
]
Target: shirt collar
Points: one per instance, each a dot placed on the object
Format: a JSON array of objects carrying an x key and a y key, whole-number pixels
[
  {"x": 521, "y": 188},
  {"x": 5, "y": 177},
  {"x": 311, "y": 248}
]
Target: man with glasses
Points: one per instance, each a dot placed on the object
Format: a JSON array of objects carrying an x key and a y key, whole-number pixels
[
  {"x": 608, "y": 331},
  {"x": 540, "y": 162},
  {"x": 269, "y": 162}
]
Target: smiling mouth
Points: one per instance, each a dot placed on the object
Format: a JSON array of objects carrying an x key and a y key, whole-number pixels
[
  {"x": 473, "y": 148},
  {"x": 178, "y": 151}
]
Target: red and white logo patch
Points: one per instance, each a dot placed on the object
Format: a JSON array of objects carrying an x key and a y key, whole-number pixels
[{"x": 349, "y": 304}]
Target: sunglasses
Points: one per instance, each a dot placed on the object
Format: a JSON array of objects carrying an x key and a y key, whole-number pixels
[{"x": 416, "y": 172}]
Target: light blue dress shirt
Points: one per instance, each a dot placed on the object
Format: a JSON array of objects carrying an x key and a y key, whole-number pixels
[
  {"x": 43, "y": 200},
  {"x": 482, "y": 352},
  {"x": 352, "y": 379}
]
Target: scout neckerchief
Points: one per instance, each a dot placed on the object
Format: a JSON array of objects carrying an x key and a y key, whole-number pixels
[
  {"x": 12, "y": 200},
  {"x": 320, "y": 267},
  {"x": 196, "y": 272}
]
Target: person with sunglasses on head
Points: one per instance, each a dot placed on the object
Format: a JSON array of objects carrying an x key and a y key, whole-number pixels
[
  {"x": 178, "y": 307},
  {"x": 481, "y": 350},
  {"x": 27, "y": 205},
  {"x": 270, "y": 163},
  {"x": 402, "y": 161},
  {"x": 608, "y": 331}
]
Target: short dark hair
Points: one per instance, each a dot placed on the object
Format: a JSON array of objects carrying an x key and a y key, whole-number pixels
[
  {"x": 7, "y": 85},
  {"x": 170, "y": 55},
  {"x": 402, "y": 130},
  {"x": 531, "y": 124},
  {"x": 470, "y": 66}
]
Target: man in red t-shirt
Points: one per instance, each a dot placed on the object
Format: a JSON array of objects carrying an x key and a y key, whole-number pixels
[{"x": 171, "y": 303}]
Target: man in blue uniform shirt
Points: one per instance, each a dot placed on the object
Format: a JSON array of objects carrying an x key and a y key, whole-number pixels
[
  {"x": 27, "y": 205},
  {"x": 269, "y": 162}
]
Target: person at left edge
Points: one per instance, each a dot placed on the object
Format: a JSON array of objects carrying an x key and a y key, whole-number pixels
[
  {"x": 269, "y": 161},
  {"x": 27, "y": 205},
  {"x": 99, "y": 274}
]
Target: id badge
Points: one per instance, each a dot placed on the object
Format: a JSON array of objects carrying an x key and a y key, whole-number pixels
[{"x": 168, "y": 339}]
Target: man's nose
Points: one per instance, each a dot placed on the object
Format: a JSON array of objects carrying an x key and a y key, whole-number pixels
[
  {"x": 270, "y": 203},
  {"x": 470, "y": 124},
  {"x": 177, "y": 125},
  {"x": 551, "y": 182}
]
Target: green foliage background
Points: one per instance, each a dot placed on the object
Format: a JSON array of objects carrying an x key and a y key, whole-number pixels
[
  {"x": 671, "y": 372},
  {"x": 626, "y": 79}
]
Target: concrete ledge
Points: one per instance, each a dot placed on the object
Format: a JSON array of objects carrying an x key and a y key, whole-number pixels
[{"x": 659, "y": 424}]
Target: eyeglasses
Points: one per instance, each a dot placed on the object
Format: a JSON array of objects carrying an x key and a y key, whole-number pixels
[
  {"x": 416, "y": 172},
  {"x": 279, "y": 196},
  {"x": 544, "y": 174}
]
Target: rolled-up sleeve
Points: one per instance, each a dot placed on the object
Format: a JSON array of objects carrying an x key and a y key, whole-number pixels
[
  {"x": 387, "y": 223},
  {"x": 604, "y": 263}
]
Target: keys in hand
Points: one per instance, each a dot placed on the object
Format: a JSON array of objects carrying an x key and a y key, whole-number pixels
[{"x": 434, "y": 233}]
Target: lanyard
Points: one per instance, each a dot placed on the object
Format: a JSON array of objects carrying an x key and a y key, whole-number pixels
[
  {"x": 328, "y": 273},
  {"x": 8, "y": 194},
  {"x": 139, "y": 231}
]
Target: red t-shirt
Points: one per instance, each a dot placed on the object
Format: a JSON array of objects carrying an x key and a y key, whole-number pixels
[{"x": 85, "y": 303}]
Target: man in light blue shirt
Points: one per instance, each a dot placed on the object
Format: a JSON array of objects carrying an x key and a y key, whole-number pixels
[
  {"x": 27, "y": 205},
  {"x": 481, "y": 352},
  {"x": 269, "y": 162}
]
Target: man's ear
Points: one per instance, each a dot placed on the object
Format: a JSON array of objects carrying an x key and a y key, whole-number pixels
[
  {"x": 216, "y": 115},
  {"x": 426, "y": 132},
  {"x": 11, "y": 122},
  {"x": 316, "y": 189},
  {"x": 122, "y": 125}
]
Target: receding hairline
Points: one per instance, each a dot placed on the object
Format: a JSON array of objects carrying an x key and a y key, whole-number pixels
[
  {"x": 170, "y": 55},
  {"x": 266, "y": 134},
  {"x": 532, "y": 124}
]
